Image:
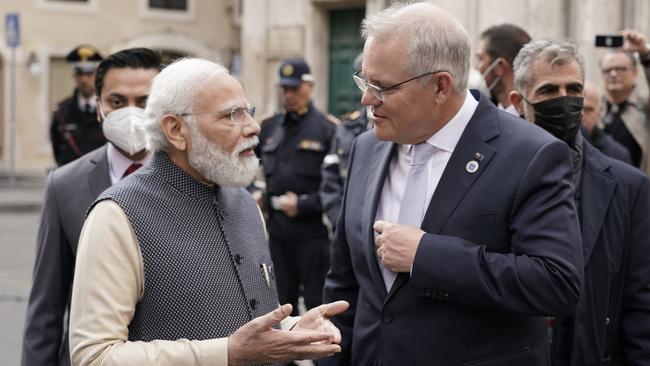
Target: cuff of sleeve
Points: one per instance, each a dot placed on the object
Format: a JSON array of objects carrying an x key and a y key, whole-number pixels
[
  {"x": 289, "y": 322},
  {"x": 645, "y": 59},
  {"x": 214, "y": 352},
  {"x": 301, "y": 205}
]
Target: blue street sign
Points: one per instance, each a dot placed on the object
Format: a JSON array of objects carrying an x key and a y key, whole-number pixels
[{"x": 12, "y": 30}]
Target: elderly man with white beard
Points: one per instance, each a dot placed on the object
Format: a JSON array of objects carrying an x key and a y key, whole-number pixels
[{"x": 173, "y": 266}]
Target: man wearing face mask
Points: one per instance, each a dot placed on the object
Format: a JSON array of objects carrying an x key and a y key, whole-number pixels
[
  {"x": 612, "y": 322},
  {"x": 122, "y": 85},
  {"x": 496, "y": 52}
]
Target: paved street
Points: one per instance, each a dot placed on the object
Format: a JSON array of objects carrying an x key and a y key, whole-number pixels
[{"x": 19, "y": 215}]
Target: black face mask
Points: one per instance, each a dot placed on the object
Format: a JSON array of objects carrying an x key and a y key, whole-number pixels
[{"x": 560, "y": 117}]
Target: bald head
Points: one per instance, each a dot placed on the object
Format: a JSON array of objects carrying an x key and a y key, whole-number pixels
[{"x": 592, "y": 110}]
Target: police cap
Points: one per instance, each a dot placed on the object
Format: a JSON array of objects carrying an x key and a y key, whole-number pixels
[
  {"x": 85, "y": 59},
  {"x": 294, "y": 71}
]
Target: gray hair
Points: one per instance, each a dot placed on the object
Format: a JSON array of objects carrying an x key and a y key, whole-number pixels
[
  {"x": 174, "y": 91},
  {"x": 553, "y": 51},
  {"x": 434, "y": 43}
]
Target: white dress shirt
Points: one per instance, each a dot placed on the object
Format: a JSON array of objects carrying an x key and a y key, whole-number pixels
[
  {"x": 510, "y": 109},
  {"x": 445, "y": 141},
  {"x": 91, "y": 101},
  {"x": 118, "y": 163}
]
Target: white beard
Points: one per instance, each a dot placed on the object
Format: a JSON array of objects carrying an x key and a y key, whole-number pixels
[{"x": 217, "y": 166}]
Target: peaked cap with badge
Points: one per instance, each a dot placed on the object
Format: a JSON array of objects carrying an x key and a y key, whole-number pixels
[{"x": 85, "y": 59}]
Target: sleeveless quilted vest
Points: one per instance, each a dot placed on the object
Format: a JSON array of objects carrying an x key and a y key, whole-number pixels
[{"x": 203, "y": 248}]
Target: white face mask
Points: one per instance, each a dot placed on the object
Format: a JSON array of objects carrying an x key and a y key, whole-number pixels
[
  {"x": 489, "y": 70},
  {"x": 124, "y": 127}
]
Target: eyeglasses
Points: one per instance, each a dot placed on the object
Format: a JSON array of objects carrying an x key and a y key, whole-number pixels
[
  {"x": 378, "y": 92},
  {"x": 237, "y": 114}
]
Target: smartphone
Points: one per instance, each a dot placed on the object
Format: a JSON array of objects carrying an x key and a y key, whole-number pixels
[{"x": 609, "y": 40}]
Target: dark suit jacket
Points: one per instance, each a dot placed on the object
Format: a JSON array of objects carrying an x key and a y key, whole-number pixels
[
  {"x": 74, "y": 132},
  {"x": 612, "y": 320},
  {"x": 70, "y": 191},
  {"x": 607, "y": 145},
  {"x": 502, "y": 249}
]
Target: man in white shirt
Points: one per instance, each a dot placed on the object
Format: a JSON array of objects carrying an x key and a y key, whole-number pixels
[{"x": 458, "y": 231}]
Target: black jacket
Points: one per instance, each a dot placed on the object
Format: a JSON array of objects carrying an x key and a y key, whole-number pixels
[
  {"x": 74, "y": 132},
  {"x": 335, "y": 165},
  {"x": 292, "y": 147},
  {"x": 612, "y": 322},
  {"x": 607, "y": 145}
]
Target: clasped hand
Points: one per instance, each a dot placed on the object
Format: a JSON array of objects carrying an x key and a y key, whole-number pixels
[{"x": 396, "y": 245}]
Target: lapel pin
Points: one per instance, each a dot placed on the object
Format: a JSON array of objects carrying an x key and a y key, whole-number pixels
[
  {"x": 479, "y": 156},
  {"x": 472, "y": 166}
]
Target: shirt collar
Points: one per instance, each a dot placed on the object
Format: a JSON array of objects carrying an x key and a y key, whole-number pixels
[
  {"x": 448, "y": 136},
  {"x": 118, "y": 163},
  {"x": 81, "y": 101}
]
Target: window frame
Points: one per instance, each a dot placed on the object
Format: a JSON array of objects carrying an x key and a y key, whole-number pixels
[
  {"x": 146, "y": 12},
  {"x": 87, "y": 7}
]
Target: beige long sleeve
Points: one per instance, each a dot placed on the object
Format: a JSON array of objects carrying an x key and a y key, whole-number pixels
[{"x": 108, "y": 283}]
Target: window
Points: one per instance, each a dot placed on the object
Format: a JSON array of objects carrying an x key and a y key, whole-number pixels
[
  {"x": 174, "y": 10},
  {"x": 168, "y": 4},
  {"x": 68, "y": 6}
]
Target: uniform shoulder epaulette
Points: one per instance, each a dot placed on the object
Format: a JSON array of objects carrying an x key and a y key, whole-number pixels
[
  {"x": 354, "y": 115},
  {"x": 332, "y": 119}
]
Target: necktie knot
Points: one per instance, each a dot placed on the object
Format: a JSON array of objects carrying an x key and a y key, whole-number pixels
[
  {"x": 133, "y": 167},
  {"x": 421, "y": 153}
]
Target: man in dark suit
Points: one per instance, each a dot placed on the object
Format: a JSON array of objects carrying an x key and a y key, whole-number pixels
[
  {"x": 592, "y": 113},
  {"x": 74, "y": 130},
  {"x": 611, "y": 325},
  {"x": 459, "y": 267},
  {"x": 122, "y": 86}
]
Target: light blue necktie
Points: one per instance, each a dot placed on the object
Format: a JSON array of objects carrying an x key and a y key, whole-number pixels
[{"x": 415, "y": 196}]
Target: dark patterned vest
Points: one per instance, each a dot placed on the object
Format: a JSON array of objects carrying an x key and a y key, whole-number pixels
[{"x": 203, "y": 249}]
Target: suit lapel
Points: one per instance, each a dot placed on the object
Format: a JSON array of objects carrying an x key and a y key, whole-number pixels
[
  {"x": 381, "y": 157},
  {"x": 99, "y": 177},
  {"x": 456, "y": 180},
  {"x": 596, "y": 183}
]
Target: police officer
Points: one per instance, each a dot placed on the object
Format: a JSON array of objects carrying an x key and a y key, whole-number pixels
[
  {"x": 292, "y": 146},
  {"x": 75, "y": 130},
  {"x": 335, "y": 164}
]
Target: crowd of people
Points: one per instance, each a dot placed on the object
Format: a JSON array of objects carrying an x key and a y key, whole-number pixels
[{"x": 434, "y": 225}]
